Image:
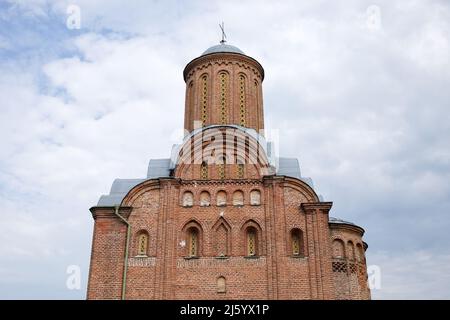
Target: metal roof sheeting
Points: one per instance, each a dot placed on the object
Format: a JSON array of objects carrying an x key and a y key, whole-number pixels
[
  {"x": 159, "y": 168},
  {"x": 119, "y": 190},
  {"x": 337, "y": 220},
  {"x": 223, "y": 48}
]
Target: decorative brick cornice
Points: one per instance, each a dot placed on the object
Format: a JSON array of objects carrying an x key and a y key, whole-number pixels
[
  {"x": 347, "y": 226},
  {"x": 220, "y": 182},
  {"x": 225, "y": 58},
  {"x": 268, "y": 180},
  {"x": 286, "y": 181},
  {"x": 312, "y": 207}
]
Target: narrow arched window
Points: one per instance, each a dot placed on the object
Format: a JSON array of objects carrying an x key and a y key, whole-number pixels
[
  {"x": 257, "y": 103},
  {"x": 193, "y": 242},
  {"x": 251, "y": 241},
  {"x": 338, "y": 249},
  {"x": 204, "y": 99},
  {"x": 142, "y": 244},
  {"x": 255, "y": 198},
  {"x": 350, "y": 251},
  {"x": 188, "y": 199},
  {"x": 238, "y": 198},
  {"x": 221, "y": 285},
  {"x": 190, "y": 104},
  {"x": 221, "y": 198},
  {"x": 242, "y": 111},
  {"x": 360, "y": 252},
  {"x": 204, "y": 170},
  {"x": 240, "y": 170},
  {"x": 223, "y": 95},
  {"x": 205, "y": 199},
  {"x": 297, "y": 246}
]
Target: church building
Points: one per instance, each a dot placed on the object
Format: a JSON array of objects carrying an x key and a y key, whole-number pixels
[{"x": 224, "y": 217}]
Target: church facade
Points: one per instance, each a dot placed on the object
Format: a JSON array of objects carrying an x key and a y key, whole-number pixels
[{"x": 224, "y": 217}]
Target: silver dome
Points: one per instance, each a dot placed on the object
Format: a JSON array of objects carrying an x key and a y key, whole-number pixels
[{"x": 223, "y": 48}]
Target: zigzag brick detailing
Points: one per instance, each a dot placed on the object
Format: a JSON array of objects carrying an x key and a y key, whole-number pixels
[{"x": 223, "y": 217}]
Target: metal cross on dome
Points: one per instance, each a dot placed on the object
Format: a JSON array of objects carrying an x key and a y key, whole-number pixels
[{"x": 224, "y": 36}]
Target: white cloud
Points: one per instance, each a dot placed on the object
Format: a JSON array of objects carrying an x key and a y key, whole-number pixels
[{"x": 412, "y": 275}]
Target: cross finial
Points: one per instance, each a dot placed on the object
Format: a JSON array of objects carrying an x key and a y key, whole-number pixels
[{"x": 224, "y": 36}]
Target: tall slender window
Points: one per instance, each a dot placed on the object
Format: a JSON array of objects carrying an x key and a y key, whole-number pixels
[
  {"x": 223, "y": 78},
  {"x": 350, "y": 251},
  {"x": 193, "y": 242},
  {"x": 297, "y": 242},
  {"x": 258, "y": 115},
  {"x": 338, "y": 249},
  {"x": 221, "y": 198},
  {"x": 238, "y": 198},
  {"x": 240, "y": 170},
  {"x": 242, "y": 111},
  {"x": 188, "y": 199},
  {"x": 205, "y": 199},
  {"x": 251, "y": 241},
  {"x": 255, "y": 198},
  {"x": 360, "y": 252},
  {"x": 142, "y": 244},
  {"x": 204, "y": 99},
  {"x": 221, "y": 285},
  {"x": 190, "y": 105},
  {"x": 204, "y": 170},
  {"x": 295, "y": 245}
]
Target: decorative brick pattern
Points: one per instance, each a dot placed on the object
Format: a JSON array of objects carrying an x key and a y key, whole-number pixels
[
  {"x": 350, "y": 272},
  {"x": 228, "y": 103},
  {"x": 142, "y": 262},
  {"x": 225, "y": 229}
]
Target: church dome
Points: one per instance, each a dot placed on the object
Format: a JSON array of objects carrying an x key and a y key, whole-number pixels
[{"x": 223, "y": 48}]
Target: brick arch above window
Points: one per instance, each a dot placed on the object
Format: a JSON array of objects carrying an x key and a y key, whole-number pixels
[
  {"x": 350, "y": 250},
  {"x": 360, "y": 252},
  {"x": 221, "y": 198},
  {"x": 204, "y": 98},
  {"x": 238, "y": 198},
  {"x": 205, "y": 199},
  {"x": 242, "y": 99},
  {"x": 251, "y": 229},
  {"x": 141, "y": 243},
  {"x": 224, "y": 88},
  {"x": 338, "y": 248},
  {"x": 255, "y": 197},
  {"x": 221, "y": 237},
  {"x": 297, "y": 244},
  {"x": 187, "y": 199},
  {"x": 221, "y": 285},
  {"x": 204, "y": 170},
  {"x": 192, "y": 234}
]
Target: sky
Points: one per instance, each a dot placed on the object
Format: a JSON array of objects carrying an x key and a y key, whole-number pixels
[{"x": 359, "y": 92}]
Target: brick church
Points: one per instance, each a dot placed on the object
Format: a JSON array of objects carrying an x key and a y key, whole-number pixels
[{"x": 224, "y": 217}]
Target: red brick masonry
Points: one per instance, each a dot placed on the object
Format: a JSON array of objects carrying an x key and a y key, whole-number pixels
[{"x": 236, "y": 233}]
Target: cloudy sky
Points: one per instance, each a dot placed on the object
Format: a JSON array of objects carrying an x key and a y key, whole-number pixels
[{"x": 358, "y": 89}]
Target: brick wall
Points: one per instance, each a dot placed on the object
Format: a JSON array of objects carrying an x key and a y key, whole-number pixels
[
  {"x": 349, "y": 262},
  {"x": 168, "y": 211},
  {"x": 234, "y": 66},
  {"x": 166, "y": 272}
]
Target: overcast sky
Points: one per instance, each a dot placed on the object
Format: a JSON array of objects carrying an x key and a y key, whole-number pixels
[{"x": 359, "y": 90}]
